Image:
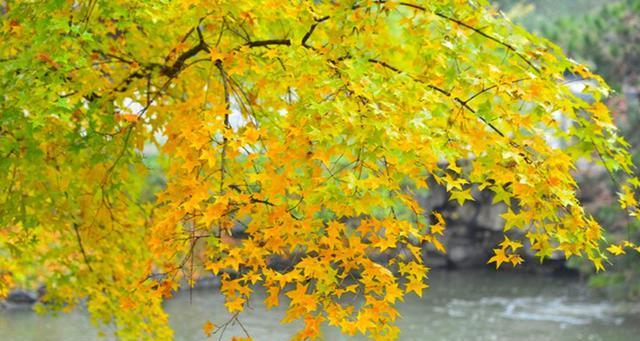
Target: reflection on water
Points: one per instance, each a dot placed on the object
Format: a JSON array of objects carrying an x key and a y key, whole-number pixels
[{"x": 459, "y": 306}]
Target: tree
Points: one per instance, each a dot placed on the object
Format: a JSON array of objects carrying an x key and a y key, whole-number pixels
[{"x": 284, "y": 130}]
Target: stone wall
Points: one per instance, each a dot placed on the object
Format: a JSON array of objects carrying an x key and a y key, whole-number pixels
[{"x": 474, "y": 229}]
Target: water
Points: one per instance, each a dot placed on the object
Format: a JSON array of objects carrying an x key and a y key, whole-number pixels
[{"x": 460, "y": 305}]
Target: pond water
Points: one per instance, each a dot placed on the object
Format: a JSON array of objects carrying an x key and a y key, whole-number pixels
[{"x": 461, "y": 305}]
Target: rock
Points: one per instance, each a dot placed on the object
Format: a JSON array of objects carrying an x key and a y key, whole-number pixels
[
  {"x": 437, "y": 197},
  {"x": 465, "y": 214},
  {"x": 593, "y": 192},
  {"x": 464, "y": 254},
  {"x": 21, "y": 298},
  {"x": 207, "y": 282},
  {"x": 455, "y": 230},
  {"x": 489, "y": 216},
  {"x": 435, "y": 260}
]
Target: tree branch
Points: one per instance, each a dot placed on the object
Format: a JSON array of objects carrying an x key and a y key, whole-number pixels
[
  {"x": 490, "y": 37},
  {"x": 81, "y": 247},
  {"x": 269, "y": 42},
  {"x": 227, "y": 102},
  {"x": 476, "y": 30},
  {"x": 461, "y": 102},
  {"x": 310, "y": 32}
]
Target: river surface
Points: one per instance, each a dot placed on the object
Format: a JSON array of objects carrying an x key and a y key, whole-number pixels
[{"x": 462, "y": 305}]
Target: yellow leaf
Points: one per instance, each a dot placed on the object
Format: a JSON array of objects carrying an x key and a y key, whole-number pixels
[
  {"x": 598, "y": 264},
  {"x": 461, "y": 196},
  {"x": 499, "y": 257},
  {"x": 508, "y": 243},
  {"x": 235, "y": 305},
  {"x": 515, "y": 259},
  {"x": 392, "y": 293},
  {"x": 272, "y": 299},
  {"x": 415, "y": 285},
  {"x": 208, "y": 328},
  {"x": 616, "y": 250}
]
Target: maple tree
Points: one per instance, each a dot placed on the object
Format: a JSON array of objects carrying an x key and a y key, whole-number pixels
[{"x": 309, "y": 124}]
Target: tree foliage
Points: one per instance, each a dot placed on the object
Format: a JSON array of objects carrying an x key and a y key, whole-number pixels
[
  {"x": 284, "y": 129},
  {"x": 607, "y": 35}
]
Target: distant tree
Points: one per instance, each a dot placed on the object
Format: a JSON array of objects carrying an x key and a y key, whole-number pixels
[{"x": 308, "y": 125}]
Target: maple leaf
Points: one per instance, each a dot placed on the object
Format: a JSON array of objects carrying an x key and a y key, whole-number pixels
[
  {"x": 393, "y": 293},
  {"x": 215, "y": 211},
  {"x": 235, "y": 305},
  {"x": 601, "y": 115},
  {"x": 616, "y": 250},
  {"x": 299, "y": 297},
  {"x": 627, "y": 198},
  {"x": 461, "y": 196},
  {"x": 311, "y": 329},
  {"x": 508, "y": 243},
  {"x": 416, "y": 286},
  {"x": 597, "y": 263},
  {"x": 208, "y": 328},
  {"x": 500, "y": 196},
  {"x": 511, "y": 219},
  {"x": 452, "y": 166},
  {"x": 438, "y": 245},
  {"x": 515, "y": 259},
  {"x": 499, "y": 257},
  {"x": 451, "y": 183},
  {"x": 272, "y": 299},
  {"x": 214, "y": 267},
  {"x": 437, "y": 229}
]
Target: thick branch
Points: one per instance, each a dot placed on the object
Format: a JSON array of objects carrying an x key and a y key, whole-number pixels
[
  {"x": 227, "y": 101},
  {"x": 310, "y": 32},
  {"x": 177, "y": 66},
  {"x": 269, "y": 42}
]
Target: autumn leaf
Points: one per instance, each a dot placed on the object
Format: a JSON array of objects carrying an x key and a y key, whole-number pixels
[
  {"x": 501, "y": 196},
  {"x": 208, "y": 328},
  {"x": 499, "y": 257},
  {"x": 272, "y": 299},
  {"x": 416, "y": 286},
  {"x": 235, "y": 304},
  {"x": 461, "y": 196},
  {"x": 508, "y": 243},
  {"x": 616, "y": 250},
  {"x": 393, "y": 293}
]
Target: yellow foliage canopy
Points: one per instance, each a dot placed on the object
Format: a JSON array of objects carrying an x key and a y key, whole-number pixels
[{"x": 296, "y": 130}]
